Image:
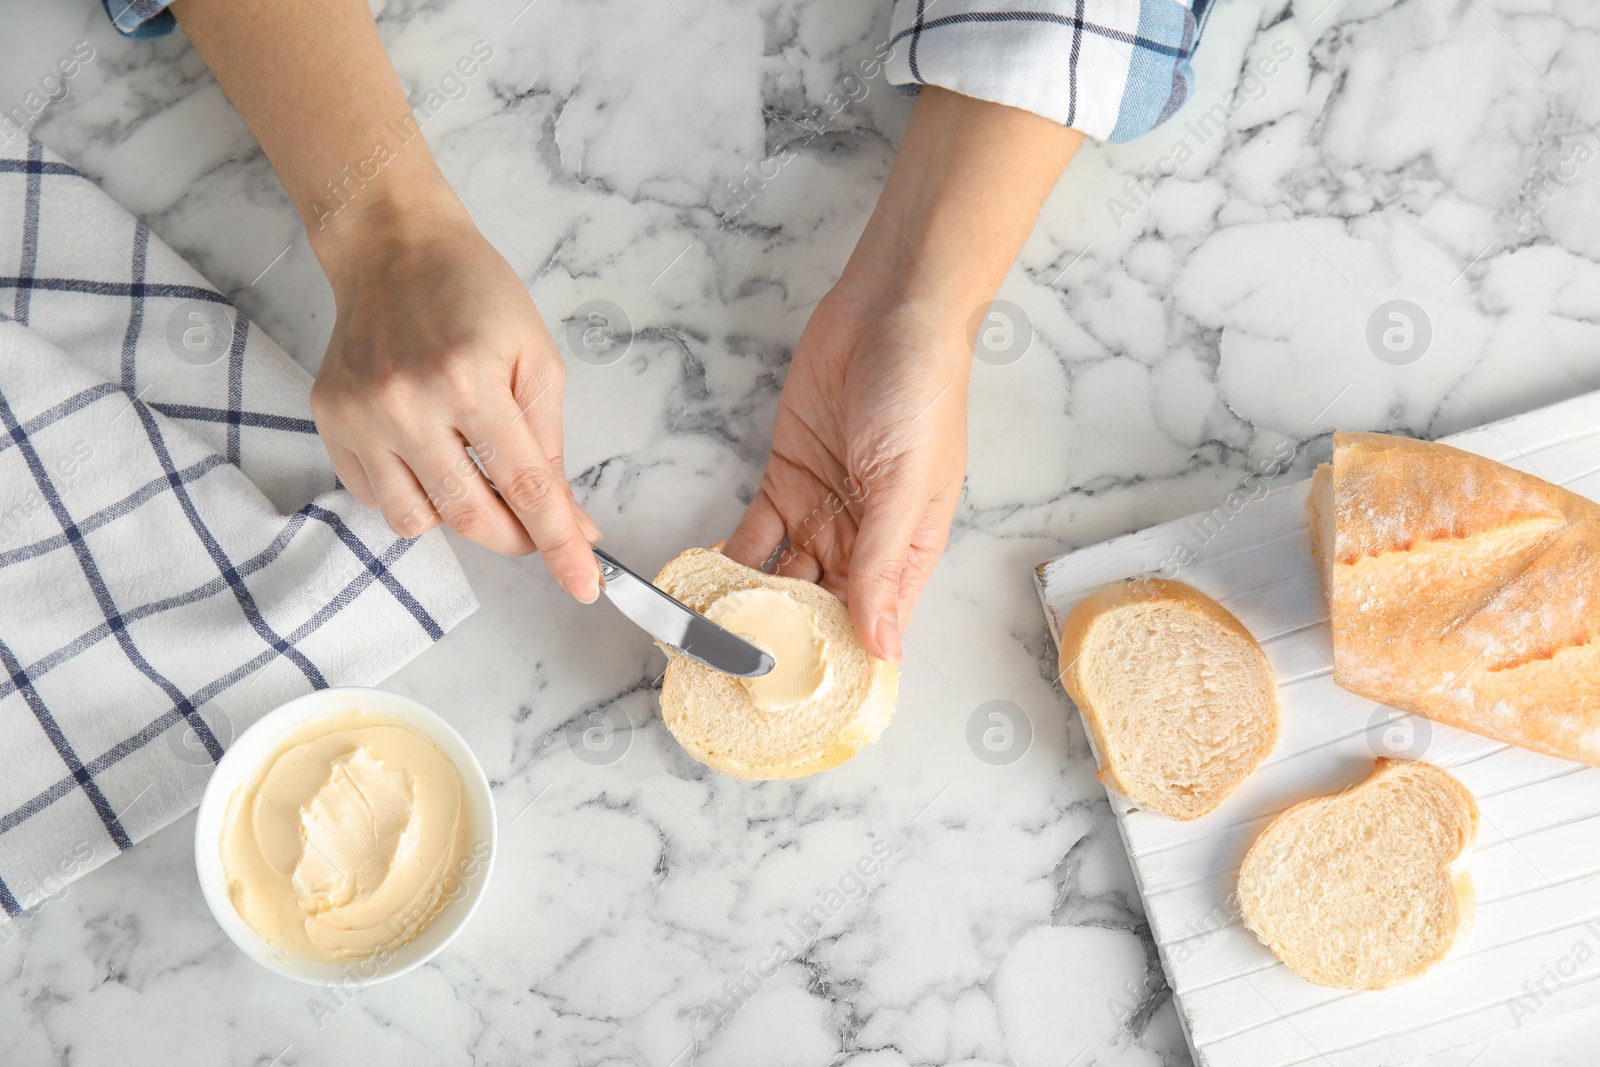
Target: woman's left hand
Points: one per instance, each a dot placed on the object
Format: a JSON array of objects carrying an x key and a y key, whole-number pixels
[
  {"x": 868, "y": 451},
  {"x": 870, "y": 442}
]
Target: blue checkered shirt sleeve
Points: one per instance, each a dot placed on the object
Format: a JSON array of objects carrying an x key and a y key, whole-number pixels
[
  {"x": 140, "y": 18},
  {"x": 1114, "y": 69}
]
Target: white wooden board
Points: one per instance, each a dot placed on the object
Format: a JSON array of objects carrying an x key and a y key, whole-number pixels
[{"x": 1535, "y": 948}]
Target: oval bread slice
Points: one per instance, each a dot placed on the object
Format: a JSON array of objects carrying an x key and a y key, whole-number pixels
[
  {"x": 1180, "y": 700},
  {"x": 711, "y": 714},
  {"x": 1358, "y": 890}
]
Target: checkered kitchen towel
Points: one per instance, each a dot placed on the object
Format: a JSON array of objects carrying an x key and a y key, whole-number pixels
[{"x": 175, "y": 556}]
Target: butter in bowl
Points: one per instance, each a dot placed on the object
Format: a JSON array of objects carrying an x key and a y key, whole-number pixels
[{"x": 346, "y": 837}]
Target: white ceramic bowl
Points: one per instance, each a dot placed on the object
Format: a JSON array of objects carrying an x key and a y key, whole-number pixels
[{"x": 239, "y": 765}]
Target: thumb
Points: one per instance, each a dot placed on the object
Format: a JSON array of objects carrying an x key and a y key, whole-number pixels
[{"x": 877, "y": 562}]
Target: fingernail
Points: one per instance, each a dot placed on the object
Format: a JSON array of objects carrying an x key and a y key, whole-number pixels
[
  {"x": 888, "y": 639},
  {"x": 583, "y": 585}
]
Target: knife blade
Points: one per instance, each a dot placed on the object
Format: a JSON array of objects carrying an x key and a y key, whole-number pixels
[{"x": 678, "y": 625}]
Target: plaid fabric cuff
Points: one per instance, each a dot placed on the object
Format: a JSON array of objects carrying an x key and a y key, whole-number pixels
[
  {"x": 140, "y": 18},
  {"x": 1114, "y": 69}
]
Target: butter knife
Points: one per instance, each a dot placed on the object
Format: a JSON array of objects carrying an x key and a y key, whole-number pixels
[{"x": 679, "y": 626}]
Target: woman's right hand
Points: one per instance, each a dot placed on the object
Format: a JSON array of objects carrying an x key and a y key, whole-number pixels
[{"x": 437, "y": 346}]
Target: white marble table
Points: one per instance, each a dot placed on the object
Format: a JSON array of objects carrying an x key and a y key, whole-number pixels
[{"x": 1183, "y": 330}]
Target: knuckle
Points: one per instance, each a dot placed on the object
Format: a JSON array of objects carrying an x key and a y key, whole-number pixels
[
  {"x": 329, "y": 402},
  {"x": 472, "y": 520},
  {"x": 529, "y": 489},
  {"x": 320, "y": 398},
  {"x": 459, "y": 360},
  {"x": 355, "y": 483},
  {"x": 458, "y": 368},
  {"x": 554, "y": 548},
  {"x": 883, "y": 576},
  {"x": 550, "y": 374},
  {"x": 464, "y": 398},
  {"x": 560, "y": 544},
  {"x": 413, "y": 521},
  {"x": 396, "y": 395},
  {"x": 542, "y": 389}
]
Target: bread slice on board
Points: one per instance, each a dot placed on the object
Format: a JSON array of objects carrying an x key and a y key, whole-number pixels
[
  {"x": 1360, "y": 890},
  {"x": 711, "y": 713},
  {"x": 1180, "y": 700},
  {"x": 1462, "y": 590}
]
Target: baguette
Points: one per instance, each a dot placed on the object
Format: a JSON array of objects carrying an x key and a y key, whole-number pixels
[
  {"x": 1360, "y": 890},
  {"x": 1462, "y": 590},
  {"x": 1179, "y": 698},
  {"x": 711, "y": 714}
]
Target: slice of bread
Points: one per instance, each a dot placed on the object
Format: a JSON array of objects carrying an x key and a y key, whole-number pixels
[
  {"x": 1180, "y": 700},
  {"x": 711, "y": 713},
  {"x": 1359, "y": 890}
]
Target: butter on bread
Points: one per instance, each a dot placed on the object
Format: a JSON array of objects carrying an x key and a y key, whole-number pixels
[
  {"x": 1462, "y": 590},
  {"x": 712, "y": 714}
]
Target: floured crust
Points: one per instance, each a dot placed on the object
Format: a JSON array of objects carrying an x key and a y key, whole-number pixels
[
  {"x": 1462, "y": 590},
  {"x": 711, "y": 716},
  {"x": 1100, "y": 605}
]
